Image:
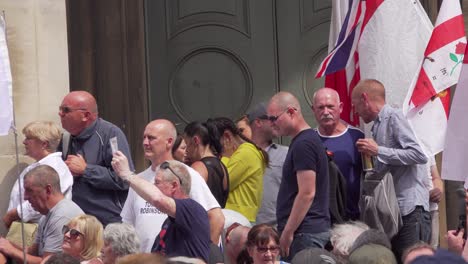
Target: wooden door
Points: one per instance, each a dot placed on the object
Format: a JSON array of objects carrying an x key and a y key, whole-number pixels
[
  {"x": 209, "y": 58},
  {"x": 303, "y": 28}
]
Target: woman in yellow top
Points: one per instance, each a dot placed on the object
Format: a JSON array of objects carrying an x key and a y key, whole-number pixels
[{"x": 246, "y": 166}]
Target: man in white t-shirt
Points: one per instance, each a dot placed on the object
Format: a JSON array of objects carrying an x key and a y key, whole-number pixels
[{"x": 158, "y": 138}]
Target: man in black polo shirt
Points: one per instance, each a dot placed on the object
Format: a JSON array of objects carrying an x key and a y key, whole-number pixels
[{"x": 303, "y": 198}]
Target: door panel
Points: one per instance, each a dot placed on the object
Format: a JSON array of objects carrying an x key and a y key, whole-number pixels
[
  {"x": 303, "y": 28},
  {"x": 209, "y": 58}
]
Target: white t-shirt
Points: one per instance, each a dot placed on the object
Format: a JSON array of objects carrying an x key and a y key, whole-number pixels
[
  {"x": 148, "y": 220},
  {"x": 66, "y": 182}
]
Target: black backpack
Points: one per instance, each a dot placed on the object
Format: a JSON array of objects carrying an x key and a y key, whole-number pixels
[{"x": 337, "y": 192}]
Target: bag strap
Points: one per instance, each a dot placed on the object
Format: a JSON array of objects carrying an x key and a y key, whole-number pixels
[{"x": 65, "y": 144}]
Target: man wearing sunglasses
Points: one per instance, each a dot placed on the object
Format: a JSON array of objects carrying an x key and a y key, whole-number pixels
[
  {"x": 303, "y": 198},
  {"x": 158, "y": 138},
  {"x": 186, "y": 230},
  {"x": 42, "y": 190},
  {"x": 263, "y": 135},
  {"x": 88, "y": 155}
]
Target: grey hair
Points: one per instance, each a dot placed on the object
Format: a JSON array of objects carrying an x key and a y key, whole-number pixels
[
  {"x": 342, "y": 237},
  {"x": 43, "y": 175},
  {"x": 122, "y": 238},
  {"x": 180, "y": 169}
]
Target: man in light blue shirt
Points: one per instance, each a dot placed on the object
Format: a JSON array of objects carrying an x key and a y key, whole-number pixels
[{"x": 395, "y": 147}]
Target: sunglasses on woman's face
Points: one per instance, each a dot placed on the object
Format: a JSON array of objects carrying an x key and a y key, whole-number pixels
[
  {"x": 273, "y": 250},
  {"x": 73, "y": 232}
]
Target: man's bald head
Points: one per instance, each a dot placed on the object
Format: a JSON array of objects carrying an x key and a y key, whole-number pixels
[
  {"x": 78, "y": 111},
  {"x": 165, "y": 128},
  {"x": 327, "y": 109},
  {"x": 83, "y": 99},
  {"x": 158, "y": 138},
  {"x": 284, "y": 100},
  {"x": 326, "y": 92},
  {"x": 373, "y": 88},
  {"x": 368, "y": 98}
]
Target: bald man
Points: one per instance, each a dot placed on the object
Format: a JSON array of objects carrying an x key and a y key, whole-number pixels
[
  {"x": 340, "y": 138},
  {"x": 396, "y": 148},
  {"x": 158, "y": 138},
  {"x": 96, "y": 188},
  {"x": 303, "y": 198}
]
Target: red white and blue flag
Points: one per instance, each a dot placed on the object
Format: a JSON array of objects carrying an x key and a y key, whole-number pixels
[
  {"x": 388, "y": 37},
  {"x": 346, "y": 43}
]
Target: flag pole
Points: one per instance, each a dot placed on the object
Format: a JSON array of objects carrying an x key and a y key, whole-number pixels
[{"x": 18, "y": 172}]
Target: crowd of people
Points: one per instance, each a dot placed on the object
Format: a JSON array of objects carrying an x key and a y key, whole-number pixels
[{"x": 222, "y": 191}]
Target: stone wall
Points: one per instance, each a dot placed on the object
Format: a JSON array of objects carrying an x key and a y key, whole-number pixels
[{"x": 37, "y": 42}]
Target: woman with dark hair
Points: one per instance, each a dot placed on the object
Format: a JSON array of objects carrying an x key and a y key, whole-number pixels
[
  {"x": 179, "y": 150},
  {"x": 204, "y": 150},
  {"x": 262, "y": 246},
  {"x": 245, "y": 166}
]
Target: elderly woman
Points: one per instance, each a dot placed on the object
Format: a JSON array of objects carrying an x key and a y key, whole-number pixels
[
  {"x": 82, "y": 238},
  {"x": 41, "y": 140},
  {"x": 119, "y": 240}
]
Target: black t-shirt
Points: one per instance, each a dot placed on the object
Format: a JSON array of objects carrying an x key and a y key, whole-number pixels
[
  {"x": 188, "y": 234},
  {"x": 306, "y": 152}
]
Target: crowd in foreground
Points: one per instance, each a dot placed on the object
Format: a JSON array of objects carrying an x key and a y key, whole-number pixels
[{"x": 221, "y": 192}]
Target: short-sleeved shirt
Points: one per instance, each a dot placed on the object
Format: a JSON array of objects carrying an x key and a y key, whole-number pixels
[
  {"x": 187, "y": 234},
  {"x": 348, "y": 160},
  {"x": 49, "y": 235},
  {"x": 147, "y": 219},
  {"x": 306, "y": 152}
]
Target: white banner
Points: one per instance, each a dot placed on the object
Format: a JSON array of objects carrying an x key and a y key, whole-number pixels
[
  {"x": 454, "y": 163},
  {"x": 6, "y": 104}
]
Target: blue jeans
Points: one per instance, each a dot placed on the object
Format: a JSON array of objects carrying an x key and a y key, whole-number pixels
[
  {"x": 306, "y": 240},
  {"x": 416, "y": 228}
]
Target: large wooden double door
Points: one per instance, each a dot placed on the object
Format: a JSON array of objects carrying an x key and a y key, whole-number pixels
[
  {"x": 210, "y": 58},
  {"x": 190, "y": 60}
]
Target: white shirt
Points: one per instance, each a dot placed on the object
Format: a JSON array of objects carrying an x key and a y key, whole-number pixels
[
  {"x": 148, "y": 220},
  {"x": 66, "y": 182}
]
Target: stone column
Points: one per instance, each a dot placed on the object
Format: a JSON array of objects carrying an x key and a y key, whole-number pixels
[{"x": 37, "y": 42}]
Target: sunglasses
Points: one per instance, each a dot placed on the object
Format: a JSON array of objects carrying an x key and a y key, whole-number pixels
[
  {"x": 73, "y": 232},
  {"x": 67, "y": 109},
  {"x": 274, "y": 118},
  {"x": 165, "y": 165},
  {"x": 273, "y": 250}
]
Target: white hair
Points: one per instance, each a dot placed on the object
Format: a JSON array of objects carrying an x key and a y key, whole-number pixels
[{"x": 343, "y": 236}]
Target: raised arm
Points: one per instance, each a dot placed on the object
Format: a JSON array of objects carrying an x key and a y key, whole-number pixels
[{"x": 147, "y": 191}]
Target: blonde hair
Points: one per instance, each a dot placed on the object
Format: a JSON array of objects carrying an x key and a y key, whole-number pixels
[
  {"x": 142, "y": 258},
  {"x": 44, "y": 131},
  {"x": 92, "y": 231}
]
